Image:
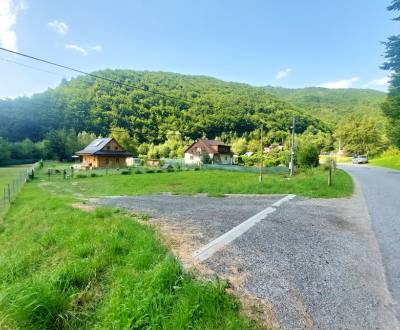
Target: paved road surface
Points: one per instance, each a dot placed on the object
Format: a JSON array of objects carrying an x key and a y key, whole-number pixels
[
  {"x": 316, "y": 262},
  {"x": 381, "y": 189}
]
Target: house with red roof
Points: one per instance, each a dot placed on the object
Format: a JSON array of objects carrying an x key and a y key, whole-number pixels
[{"x": 208, "y": 151}]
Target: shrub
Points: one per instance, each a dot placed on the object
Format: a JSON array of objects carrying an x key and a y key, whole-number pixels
[
  {"x": 149, "y": 170},
  {"x": 80, "y": 176},
  {"x": 308, "y": 156},
  {"x": 159, "y": 170},
  {"x": 329, "y": 161},
  {"x": 93, "y": 175},
  {"x": 205, "y": 158},
  {"x": 126, "y": 172},
  {"x": 170, "y": 169},
  {"x": 138, "y": 171},
  {"x": 197, "y": 168}
]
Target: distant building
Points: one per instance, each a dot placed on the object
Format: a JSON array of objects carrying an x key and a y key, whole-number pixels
[
  {"x": 103, "y": 152},
  {"x": 215, "y": 151}
]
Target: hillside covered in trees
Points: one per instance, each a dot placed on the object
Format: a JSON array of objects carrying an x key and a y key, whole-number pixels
[
  {"x": 159, "y": 102},
  {"x": 331, "y": 105},
  {"x": 156, "y": 114}
]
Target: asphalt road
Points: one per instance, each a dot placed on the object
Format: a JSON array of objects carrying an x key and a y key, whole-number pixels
[
  {"x": 316, "y": 262},
  {"x": 381, "y": 190}
]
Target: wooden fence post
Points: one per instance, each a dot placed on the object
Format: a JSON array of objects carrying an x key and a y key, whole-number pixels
[{"x": 330, "y": 174}]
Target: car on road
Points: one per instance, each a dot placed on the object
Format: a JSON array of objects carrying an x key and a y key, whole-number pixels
[{"x": 360, "y": 159}]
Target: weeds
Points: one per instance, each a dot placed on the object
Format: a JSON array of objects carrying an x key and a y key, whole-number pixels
[{"x": 63, "y": 268}]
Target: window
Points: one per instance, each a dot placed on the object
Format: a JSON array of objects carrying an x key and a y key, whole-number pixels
[
  {"x": 116, "y": 148},
  {"x": 108, "y": 148}
]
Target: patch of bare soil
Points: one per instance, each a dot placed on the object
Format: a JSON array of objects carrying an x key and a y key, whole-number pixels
[
  {"x": 184, "y": 241},
  {"x": 83, "y": 207}
]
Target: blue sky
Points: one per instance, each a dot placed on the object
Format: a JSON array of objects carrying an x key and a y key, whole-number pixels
[{"x": 271, "y": 42}]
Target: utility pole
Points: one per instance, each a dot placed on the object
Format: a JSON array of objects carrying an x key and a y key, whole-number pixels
[
  {"x": 292, "y": 148},
  {"x": 260, "y": 178}
]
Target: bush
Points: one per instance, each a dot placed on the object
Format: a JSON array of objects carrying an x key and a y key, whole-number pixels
[
  {"x": 308, "y": 156},
  {"x": 170, "y": 169},
  {"x": 149, "y": 170},
  {"x": 80, "y": 176},
  {"x": 93, "y": 175},
  {"x": 138, "y": 171},
  {"x": 197, "y": 168},
  {"x": 126, "y": 172},
  {"x": 159, "y": 170}
]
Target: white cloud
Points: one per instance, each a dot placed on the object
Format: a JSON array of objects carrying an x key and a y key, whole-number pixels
[
  {"x": 283, "y": 73},
  {"x": 345, "y": 83},
  {"x": 78, "y": 49},
  {"x": 8, "y": 18},
  {"x": 97, "y": 48},
  {"x": 380, "y": 81},
  {"x": 59, "y": 26}
]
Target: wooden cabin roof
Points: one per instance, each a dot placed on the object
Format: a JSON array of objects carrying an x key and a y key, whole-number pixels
[{"x": 96, "y": 147}]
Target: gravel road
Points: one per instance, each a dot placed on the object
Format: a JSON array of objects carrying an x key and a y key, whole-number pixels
[
  {"x": 316, "y": 262},
  {"x": 381, "y": 189}
]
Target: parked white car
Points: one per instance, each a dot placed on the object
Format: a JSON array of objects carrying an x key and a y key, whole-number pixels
[{"x": 360, "y": 159}]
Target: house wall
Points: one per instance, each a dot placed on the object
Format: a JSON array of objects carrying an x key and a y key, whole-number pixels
[
  {"x": 111, "y": 162},
  {"x": 225, "y": 159},
  {"x": 88, "y": 160},
  {"x": 103, "y": 161},
  {"x": 112, "y": 145},
  {"x": 191, "y": 159}
]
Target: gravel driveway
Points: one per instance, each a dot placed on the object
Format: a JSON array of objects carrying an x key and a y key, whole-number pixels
[{"x": 315, "y": 262}]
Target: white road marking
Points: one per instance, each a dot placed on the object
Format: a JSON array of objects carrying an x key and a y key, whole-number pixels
[{"x": 209, "y": 249}]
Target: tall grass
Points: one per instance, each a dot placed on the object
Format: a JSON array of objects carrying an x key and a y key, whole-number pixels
[
  {"x": 63, "y": 268},
  {"x": 310, "y": 183},
  {"x": 389, "y": 159}
]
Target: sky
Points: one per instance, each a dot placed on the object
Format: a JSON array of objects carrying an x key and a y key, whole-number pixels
[{"x": 292, "y": 43}]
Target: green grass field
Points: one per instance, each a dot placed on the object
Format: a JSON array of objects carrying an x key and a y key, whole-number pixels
[
  {"x": 310, "y": 183},
  {"x": 8, "y": 173},
  {"x": 389, "y": 159},
  {"x": 11, "y": 180},
  {"x": 63, "y": 268}
]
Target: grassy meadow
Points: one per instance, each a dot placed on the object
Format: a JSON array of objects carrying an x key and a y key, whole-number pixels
[
  {"x": 65, "y": 268},
  {"x": 7, "y": 174},
  {"x": 308, "y": 183},
  {"x": 389, "y": 159}
]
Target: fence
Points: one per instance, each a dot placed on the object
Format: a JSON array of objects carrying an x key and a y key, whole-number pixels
[
  {"x": 251, "y": 169},
  {"x": 11, "y": 188}
]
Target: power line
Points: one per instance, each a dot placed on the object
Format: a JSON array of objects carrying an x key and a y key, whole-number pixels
[
  {"x": 29, "y": 66},
  {"x": 145, "y": 88}
]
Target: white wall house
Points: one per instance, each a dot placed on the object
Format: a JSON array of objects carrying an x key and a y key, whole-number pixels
[{"x": 218, "y": 152}]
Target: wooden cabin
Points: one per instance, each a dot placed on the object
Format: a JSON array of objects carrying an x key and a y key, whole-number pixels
[{"x": 103, "y": 153}]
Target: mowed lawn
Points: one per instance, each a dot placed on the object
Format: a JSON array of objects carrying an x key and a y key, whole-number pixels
[
  {"x": 65, "y": 268},
  {"x": 387, "y": 161},
  {"x": 7, "y": 174},
  {"x": 310, "y": 183}
]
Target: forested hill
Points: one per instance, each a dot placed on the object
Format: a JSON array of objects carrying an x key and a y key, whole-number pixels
[
  {"x": 197, "y": 106},
  {"x": 331, "y": 105}
]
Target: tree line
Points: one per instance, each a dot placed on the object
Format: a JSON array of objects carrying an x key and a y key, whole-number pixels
[{"x": 159, "y": 117}]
